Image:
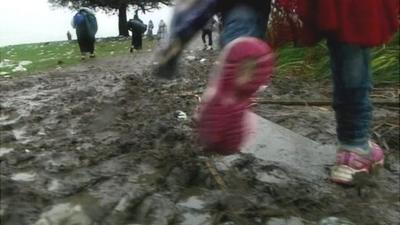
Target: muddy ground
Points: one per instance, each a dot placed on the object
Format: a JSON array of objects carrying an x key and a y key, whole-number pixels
[{"x": 103, "y": 143}]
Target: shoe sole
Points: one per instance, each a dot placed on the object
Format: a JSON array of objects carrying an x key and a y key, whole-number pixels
[
  {"x": 248, "y": 65},
  {"x": 346, "y": 175}
]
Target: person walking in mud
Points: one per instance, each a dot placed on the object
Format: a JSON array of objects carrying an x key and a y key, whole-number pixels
[
  {"x": 162, "y": 31},
  {"x": 150, "y": 28},
  {"x": 85, "y": 24},
  {"x": 350, "y": 30},
  {"x": 207, "y": 31},
  {"x": 69, "y": 36},
  {"x": 138, "y": 28},
  {"x": 247, "y": 61}
]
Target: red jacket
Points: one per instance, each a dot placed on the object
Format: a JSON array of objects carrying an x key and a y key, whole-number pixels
[{"x": 363, "y": 22}]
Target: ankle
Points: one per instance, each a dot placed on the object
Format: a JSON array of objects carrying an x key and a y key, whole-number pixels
[{"x": 362, "y": 149}]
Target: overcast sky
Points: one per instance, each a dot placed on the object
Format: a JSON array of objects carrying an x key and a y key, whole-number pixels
[{"x": 30, "y": 21}]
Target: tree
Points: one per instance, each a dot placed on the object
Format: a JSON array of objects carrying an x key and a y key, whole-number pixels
[{"x": 112, "y": 6}]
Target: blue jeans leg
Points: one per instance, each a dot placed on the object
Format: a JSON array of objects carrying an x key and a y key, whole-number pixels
[
  {"x": 242, "y": 21},
  {"x": 352, "y": 85}
]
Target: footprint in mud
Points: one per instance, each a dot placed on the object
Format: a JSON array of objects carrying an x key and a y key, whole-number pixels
[
  {"x": 12, "y": 127},
  {"x": 59, "y": 161},
  {"x": 263, "y": 171},
  {"x": 8, "y": 118},
  {"x": 272, "y": 174}
]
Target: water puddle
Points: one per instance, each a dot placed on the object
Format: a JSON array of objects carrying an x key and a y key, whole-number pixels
[
  {"x": 4, "y": 151},
  {"x": 193, "y": 203},
  {"x": 25, "y": 177}
]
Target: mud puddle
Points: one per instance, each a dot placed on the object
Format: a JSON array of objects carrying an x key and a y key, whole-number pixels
[{"x": 101, "y": 143}]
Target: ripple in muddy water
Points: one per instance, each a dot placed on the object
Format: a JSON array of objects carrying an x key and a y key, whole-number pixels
[
  {"x": 25, "y": 177},
  {"x": 4, "y": 151}
]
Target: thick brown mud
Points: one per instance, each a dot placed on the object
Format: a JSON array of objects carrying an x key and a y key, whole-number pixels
[{"x": 106, "y": 143}]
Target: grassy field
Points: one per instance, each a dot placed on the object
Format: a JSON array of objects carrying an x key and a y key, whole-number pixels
[
  {"x": 28, "y": 58},
  {"x": 308, "y": 62}
]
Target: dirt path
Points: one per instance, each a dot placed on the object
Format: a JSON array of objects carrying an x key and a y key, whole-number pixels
[{"x": 101, "y": 143}]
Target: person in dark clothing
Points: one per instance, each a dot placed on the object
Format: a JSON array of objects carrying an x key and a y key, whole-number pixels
[
  {"x": 69, "y": 36},
  {"x": 150, "y": 28},
  {"x": 85, "y": 24},
  {"x": 207, "y": 32},
  {"x": 138, "y": 28}
]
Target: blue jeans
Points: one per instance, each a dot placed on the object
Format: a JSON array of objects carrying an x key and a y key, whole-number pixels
[
  {"x": 242, "y": 21},
  {"x": 352, "y": 85},
  {"x": 350, "y": 66}
]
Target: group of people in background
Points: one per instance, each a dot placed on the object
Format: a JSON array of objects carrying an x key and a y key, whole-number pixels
[
  {"x": 85, "y": 24},
  {"x": 138, "y": 29}
]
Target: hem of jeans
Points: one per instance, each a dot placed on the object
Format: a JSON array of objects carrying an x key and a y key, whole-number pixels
[{"x": 362, "y": 148}]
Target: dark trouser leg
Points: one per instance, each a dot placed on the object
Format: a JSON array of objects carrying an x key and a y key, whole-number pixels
[
  {"x": 140, "y": 41},
  {"x": 91, "y": 45},
  {"x": 210, "y": 40},
  {"x": 352, "y": 86},
  {"x": 81, "y": 44},
  {"x": 136, "y": 39},
  {"x": 203, "y": 36}
]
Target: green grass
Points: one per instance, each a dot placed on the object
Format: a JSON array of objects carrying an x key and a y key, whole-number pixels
[
  {"x": 306, "y": 62},
  {"x": 50, "y": 55},
  {"x": 314, "y": 62}
]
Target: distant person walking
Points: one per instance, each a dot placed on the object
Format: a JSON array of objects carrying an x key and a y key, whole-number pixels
[
  {"x": 69, "y": 36},
  {"x": 138, "y": 28},
  {"x": 207, "y": 31},
  {"x": 85, "y": 24},
  {"x": 150, "y": 28},
  {"x": 162, "y": 31}
]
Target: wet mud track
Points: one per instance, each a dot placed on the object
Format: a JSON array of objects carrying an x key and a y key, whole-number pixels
[{"x": 102, "y": 143}]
